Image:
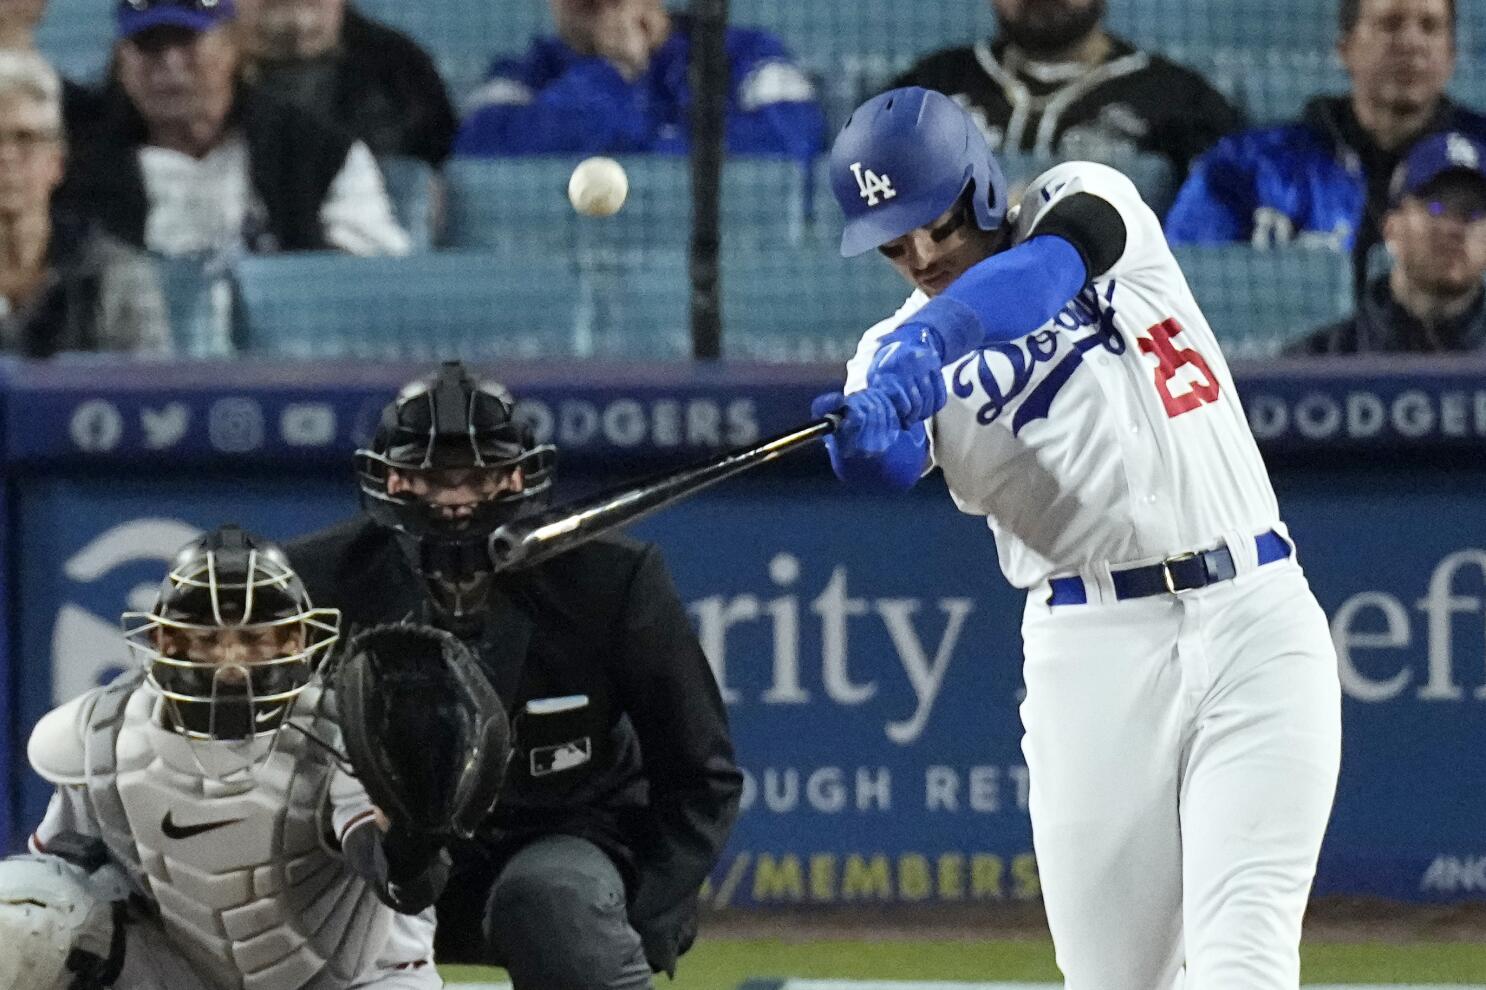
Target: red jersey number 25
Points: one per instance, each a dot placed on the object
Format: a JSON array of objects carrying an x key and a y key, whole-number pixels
[{"x": 1201, "y": 383}]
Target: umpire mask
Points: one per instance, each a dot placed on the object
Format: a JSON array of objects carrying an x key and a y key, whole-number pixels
[
  {"x": 231, "y": 642},
  {"x": 449, "y": 465}
]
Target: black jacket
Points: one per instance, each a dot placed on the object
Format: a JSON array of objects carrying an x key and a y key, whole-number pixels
[
  {"x": 293, "y": 159},
  {"x": 1138, "y": 101},
  {"x": 660, "y": 790},
  {"x": 1381, "y": 325},
  {"x": 378, "y": 85}
]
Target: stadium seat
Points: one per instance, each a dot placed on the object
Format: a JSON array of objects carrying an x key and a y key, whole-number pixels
[
  {"x": 77, "y": 37},
  {"x": 804, "y": 304},
  {"x": 199, "y": 305},
  {"x": 412, "y": 186},
  {"x": 524, "y": 200},
  {"x": 425, "y": 307},
  {"x": 1259, "y": 301}
]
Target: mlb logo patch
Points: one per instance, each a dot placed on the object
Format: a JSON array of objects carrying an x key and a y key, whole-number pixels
[{"x": 564, "y": 756}]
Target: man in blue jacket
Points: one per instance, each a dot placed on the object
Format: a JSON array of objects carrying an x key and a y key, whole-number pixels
[
  {"x": 1433, "y": 299},
  {"x": 1324, "y": 179},
  {"x": 614, "y": 80}
]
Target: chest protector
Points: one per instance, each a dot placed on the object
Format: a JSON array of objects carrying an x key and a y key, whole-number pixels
[{"x": 247, "y": 875}]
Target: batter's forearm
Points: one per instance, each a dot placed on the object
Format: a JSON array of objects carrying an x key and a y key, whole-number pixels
[{"x": 1004, "y": 297}]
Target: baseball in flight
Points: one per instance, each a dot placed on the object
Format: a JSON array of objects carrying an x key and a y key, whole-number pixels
[{"x": 598, "y": 187}]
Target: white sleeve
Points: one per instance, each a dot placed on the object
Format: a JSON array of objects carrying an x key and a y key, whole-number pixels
[
  {"x": 856, "y": 368},
  {"x": 349, "y": 804},
  {"x": 357, "y": 215},
  {"x": 1145, "y": 244},
  {"x": 68, "y": 811}
]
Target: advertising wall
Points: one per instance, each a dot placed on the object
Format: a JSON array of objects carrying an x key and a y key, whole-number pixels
[{"x": 867, "y": 647}]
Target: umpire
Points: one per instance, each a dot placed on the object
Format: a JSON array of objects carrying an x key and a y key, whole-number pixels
[{"x": 622, "y": 787}]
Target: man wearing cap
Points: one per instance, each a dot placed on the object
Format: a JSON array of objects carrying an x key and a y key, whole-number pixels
[
  {"x": 330, "y": 59},
  {"x": 1435, "y": 233},
  {"x": 187, "y": 161},
  {"x": 1324, "y": 179}
]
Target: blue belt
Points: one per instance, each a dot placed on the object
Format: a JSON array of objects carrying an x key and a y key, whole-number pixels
[{"x": 1184, "y": 572}]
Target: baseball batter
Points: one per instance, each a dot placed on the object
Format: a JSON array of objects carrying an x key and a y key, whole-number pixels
[
  {"x": 1182, "y": 710},
  {"x": 203, "y": 834}
]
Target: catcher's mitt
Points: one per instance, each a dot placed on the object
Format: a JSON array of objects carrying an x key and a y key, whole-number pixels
[{"x": 423, "y": 728}]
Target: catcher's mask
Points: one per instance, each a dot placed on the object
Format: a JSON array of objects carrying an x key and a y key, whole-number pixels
[
  {"x": 232, "y": 641},
  {"x": 449, "y": 465}
]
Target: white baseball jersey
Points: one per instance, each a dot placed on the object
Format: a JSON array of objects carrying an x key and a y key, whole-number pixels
[
  {"x": 1113, "y": 434},
  {"x": 247, "y": 875}
]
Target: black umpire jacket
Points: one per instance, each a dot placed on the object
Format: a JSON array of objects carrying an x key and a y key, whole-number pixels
[{"x": 646, "y": 769}]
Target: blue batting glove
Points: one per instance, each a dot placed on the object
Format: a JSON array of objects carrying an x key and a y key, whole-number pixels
[
  {"x": 908, "y": 368},
  {"x": 869, "y": 427}
]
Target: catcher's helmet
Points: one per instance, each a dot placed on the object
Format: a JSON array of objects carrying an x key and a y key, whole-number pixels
[
  {"x": 232, "y": 639},
  {"x": 451, "y": 422},
  {"x": 905, "y": 157}
]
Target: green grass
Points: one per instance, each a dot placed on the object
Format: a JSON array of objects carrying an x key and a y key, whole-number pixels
[{"x": 723, "y": 964}]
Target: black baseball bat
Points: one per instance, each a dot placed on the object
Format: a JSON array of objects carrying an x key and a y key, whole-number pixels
[{"x": 531, "y": 540}]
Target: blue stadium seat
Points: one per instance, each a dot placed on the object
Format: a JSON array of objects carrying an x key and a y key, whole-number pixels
[
  {"x": 199, "y": 305},
  {"x": 1259, "y": 301},
  {"x": 411, "y": 185},
  {"x": 793, "y": 304},
  {"x": 803, "y": 303},
  {"x": 77, "y": 37},
  {"x": 524, "y": 200},
  {"x": 426, "y": 307},
  {"x": 635, "y": 305}
]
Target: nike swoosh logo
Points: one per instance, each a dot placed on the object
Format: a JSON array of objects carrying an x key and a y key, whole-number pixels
[
  {"x": 269, "y": 715},
  {"x": 174, "y": 831}
]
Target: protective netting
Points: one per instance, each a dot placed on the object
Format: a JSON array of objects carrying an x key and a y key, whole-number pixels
[{"x": 550, "y": 282}]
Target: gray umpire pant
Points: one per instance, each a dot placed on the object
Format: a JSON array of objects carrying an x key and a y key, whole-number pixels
[{"x": 556, "y": 919}]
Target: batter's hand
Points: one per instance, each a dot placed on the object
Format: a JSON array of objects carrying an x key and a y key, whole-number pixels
[
  {"x": 908, "y": 367},
  {"x": 869, "y": 427}
]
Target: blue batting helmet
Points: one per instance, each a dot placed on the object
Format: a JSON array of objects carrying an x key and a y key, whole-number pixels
[{"x": 904, "y": 158}]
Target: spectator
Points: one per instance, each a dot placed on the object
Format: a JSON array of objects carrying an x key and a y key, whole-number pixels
[
  {"x": 1055, "y": 82},
  {"x": 328, "y": 59},
  {"x": 187, "y": 161},
  {"x": 18, "y": 20},
  {"x": 1324, "y": 179},
  {"x": 1432, "y": 300},
  {"x": 615, "y": 80},
  {"x": 63, "y": 287}
]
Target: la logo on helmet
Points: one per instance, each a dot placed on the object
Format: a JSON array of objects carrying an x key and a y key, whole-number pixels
[{"x": 872, "y": 185}]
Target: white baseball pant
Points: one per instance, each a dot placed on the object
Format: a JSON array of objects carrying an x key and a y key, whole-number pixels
[{"x": 1183, "y": 754}]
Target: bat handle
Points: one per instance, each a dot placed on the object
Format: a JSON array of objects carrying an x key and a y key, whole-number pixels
[{"x": 833, "y": 420}]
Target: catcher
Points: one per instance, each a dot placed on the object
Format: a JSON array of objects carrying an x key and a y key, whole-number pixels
[
  {"x": 622, "y": 787},
  {"x": 204, "y": 832}
]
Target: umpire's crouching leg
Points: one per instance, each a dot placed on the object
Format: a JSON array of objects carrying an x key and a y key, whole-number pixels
[{"x": 556, "y": 920}]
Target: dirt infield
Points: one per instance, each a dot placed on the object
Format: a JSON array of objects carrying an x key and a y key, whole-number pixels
[{"x": 1331, "y": 919}]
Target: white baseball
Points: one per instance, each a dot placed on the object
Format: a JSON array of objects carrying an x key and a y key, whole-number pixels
[{"x": 598, "y": 187}]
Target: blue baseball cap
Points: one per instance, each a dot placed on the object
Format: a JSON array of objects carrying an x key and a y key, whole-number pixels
[
  {"x": 1437, "y": 155},
  {"x": 136, "y": 16}
]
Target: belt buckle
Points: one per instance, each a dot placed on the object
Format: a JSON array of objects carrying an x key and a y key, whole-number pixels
[{"x": 1180, "y": 558}]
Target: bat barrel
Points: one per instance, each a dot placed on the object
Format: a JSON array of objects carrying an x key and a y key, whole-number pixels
[{"x": 532, "y": 540}]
